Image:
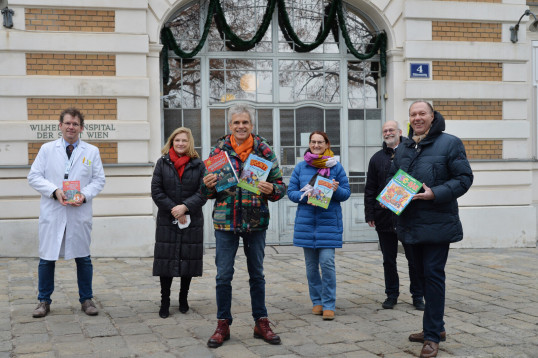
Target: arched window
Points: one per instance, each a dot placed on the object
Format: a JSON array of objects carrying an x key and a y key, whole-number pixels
[{"x": 294, "y": 91}]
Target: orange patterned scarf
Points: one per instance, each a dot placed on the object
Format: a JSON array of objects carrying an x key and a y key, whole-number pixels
[{"x": 244, "y": 149}]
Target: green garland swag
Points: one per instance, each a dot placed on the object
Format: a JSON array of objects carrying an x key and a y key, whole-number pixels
[
  {"x": 334, "y": 17},
  {"x": 234, "y": 42}
]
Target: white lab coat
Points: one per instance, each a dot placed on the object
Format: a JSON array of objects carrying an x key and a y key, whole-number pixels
[{"x": 47, "y": 175}]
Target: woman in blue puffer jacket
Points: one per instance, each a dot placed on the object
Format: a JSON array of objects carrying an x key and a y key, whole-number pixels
[{"x": 319, "y": 231}]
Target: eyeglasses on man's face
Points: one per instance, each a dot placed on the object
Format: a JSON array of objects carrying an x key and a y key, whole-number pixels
[{"x": 71, "y": 124}]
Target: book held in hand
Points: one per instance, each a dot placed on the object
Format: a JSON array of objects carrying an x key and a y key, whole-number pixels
[
  {"x": 322, "y": 193},
  {"x": 221, "y": 166},
  {"x": 71, "y": 189},
  {"x": 255, "y": 170},
  {"x": 399, "y": 192}
]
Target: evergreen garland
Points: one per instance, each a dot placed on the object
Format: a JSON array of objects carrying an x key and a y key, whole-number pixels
[
  {"x": 234, "y": 42},
  {"x": 334, "y": 16},
  {"x": 290, "y": 35}
]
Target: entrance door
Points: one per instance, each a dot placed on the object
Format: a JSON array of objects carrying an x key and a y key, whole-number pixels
[{"x": 294, "y": 93}]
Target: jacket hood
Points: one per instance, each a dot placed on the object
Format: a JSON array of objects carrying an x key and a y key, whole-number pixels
[{"x": 438, "y": 126}]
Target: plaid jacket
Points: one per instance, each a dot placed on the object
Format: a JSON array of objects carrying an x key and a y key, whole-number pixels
[{"x": 237, "y": 209}]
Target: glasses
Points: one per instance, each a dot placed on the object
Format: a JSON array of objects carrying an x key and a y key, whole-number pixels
[
  {"x": 71, "y": 124},
  {"x": 315, "y": 142}
]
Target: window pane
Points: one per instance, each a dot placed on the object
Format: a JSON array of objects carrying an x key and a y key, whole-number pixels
[
  {"x": 360, "y": 31},
  {"x": 172, "y": 120},
  {"x": 242, "y": 80},
  {"x": 218, "y": 125},
  {"x": 190, "y": 118},
  {"x": 308, "y": 119},
  {"x": 309, "y": 80},
  {"x": 265, "y": 124},
  {"x": 306, "y": 18},
  {"x": 332, "y": 126},
  {"x": 186, "y": 27},
  {"x": 183, "y": 89},
  {"x": 288, "y": 157},
  {"x": 244, "y": 18},
  {"x": 216, "y": 86},
  {"x": 362, "y": 85},
  {"x": 287, "y": 128}
]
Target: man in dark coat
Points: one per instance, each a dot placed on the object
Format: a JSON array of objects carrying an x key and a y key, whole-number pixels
[
  {"x": 384, "y": 220},
  {"x": 431, "y": 221}
]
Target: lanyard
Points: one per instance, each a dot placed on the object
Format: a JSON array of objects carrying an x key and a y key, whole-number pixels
[{"x": 69, "y": 163}]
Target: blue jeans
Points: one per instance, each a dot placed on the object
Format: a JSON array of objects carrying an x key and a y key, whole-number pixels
[
  {"x": 227, "y": 243},
  {"x": 430, "y": 262},
  {"x": 388, "y": 241},
  {"x": 322, "y": 288},
  {"x": 45, "y": 272}
]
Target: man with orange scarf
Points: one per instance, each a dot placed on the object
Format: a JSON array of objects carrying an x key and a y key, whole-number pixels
[{"x": 238, "y": 214}]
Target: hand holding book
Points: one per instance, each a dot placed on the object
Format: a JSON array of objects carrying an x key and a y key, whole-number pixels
[
  {"x": 399, "y": 192},
  {"x": 426, "y": 195},
  {"x": 265, "y": 187}
]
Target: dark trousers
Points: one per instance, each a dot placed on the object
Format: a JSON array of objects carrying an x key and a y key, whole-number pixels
[
  {"x": 389, "y": 248},
  {"x": 254, "y": 248},
  {"x": 430, "y": 261},
  {"x": 166, "y": 284}
]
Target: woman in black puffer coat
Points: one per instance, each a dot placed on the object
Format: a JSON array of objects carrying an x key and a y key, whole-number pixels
[{"x": 175, "y": 189}]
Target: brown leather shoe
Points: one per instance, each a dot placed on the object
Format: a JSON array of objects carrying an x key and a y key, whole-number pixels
[
  {"x": 262, "y": 330},
  {"x": 419, "y": 337},
  {"x": 429, "y": 349},
  {"x": 328, "y": 315},
  {"x": 42, "y": 309},
  {"x": 317, "y": 310},
  {"x": 89, "y": 308},
  {"x": 222, "y": 333}
]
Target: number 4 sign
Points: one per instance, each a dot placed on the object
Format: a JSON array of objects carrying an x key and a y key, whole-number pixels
[{"x": 420, "y": 70}]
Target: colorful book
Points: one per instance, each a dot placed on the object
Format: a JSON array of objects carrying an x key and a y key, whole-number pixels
[
  {"x": 71, "y": 190},
  {"x": 221, "y": 166},
  {"x": 399, "y": 192},
  {"x": 322, "y": 193},
  {"x": 255, "y": 170}
]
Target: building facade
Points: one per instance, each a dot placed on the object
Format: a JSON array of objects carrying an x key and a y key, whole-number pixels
[{"x": 105, "y": 57}]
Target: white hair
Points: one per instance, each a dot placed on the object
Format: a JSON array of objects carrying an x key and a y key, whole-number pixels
[{"x": 242, "y": 108}]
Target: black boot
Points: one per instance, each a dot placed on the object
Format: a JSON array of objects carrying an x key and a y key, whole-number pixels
[
  {"x": 166, "y": 283},
  {"x": 183, "y": 293},
  {"x": 183, "y": 303},
  {"x": 164, "y": 312}
]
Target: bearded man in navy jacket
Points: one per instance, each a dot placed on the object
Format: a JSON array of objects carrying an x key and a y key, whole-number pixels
[{"x": 384, "y": 220}]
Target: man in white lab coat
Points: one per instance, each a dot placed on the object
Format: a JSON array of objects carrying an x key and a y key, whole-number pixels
[{"x": 65, "y": 227}]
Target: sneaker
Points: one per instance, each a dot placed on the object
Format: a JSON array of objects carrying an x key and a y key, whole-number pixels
[
  {"x": 390, "y": 303},
  {"x": 89, "y": 308},
  {"x": 222, "y": 333},
  {"x": 42, "y": 309},
  {"x": 419, "y": 337},
  {"x": 317, "y": 310},
  {"x": 262, "y": 330},
  {"x": 328, "y": 315},
  {"x": 419, "y": 304}
]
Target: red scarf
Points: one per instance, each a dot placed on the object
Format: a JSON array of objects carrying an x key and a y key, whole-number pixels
[{"x": 179, "y": 162}]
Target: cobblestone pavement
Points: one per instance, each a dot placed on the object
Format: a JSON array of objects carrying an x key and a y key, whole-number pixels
[{"x": 491, "y": 309}]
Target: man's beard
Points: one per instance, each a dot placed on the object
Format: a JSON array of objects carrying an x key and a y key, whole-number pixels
[{"x": 391, "y": 142}]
